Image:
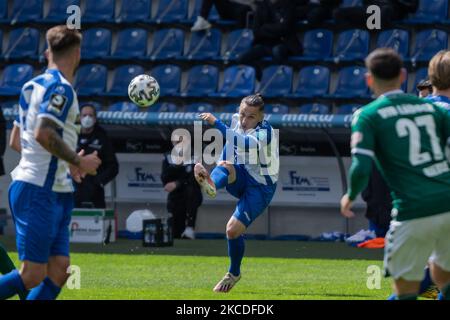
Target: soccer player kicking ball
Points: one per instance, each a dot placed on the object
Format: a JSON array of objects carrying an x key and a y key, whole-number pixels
[
  {"x": 406, "y": 136},
  {"x": 252, "y": 182},
  {"x": 40, "y": 195}
]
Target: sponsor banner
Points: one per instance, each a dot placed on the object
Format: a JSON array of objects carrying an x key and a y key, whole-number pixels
[
  {"x": 309, "y": 180},
  {"x": 302, "y": 180},
  {"x": 187, "y": 118},
  {"x": 140, "y": 177}
]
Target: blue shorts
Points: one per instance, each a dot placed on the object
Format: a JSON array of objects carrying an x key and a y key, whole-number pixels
[
  {"x": 253, "y": 197},
  {"x": 42, "y": 219}
]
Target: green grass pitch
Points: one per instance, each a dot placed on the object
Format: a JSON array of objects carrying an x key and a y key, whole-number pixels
[{"x": 189, "y": 270}]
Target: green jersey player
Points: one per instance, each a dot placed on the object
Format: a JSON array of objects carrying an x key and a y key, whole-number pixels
[{"x": 406, "y": 137}]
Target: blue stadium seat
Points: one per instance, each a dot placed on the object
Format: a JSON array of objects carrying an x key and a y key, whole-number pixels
[
  {"x": 14, "y": 77},
  {"x": 428, "y": 43},
  {"x": 3, "y": 11},
  {"x": 314, "y": 108},
  {"x": 57, "y": 12},
  {"x": 396, "y": 39},
  {"x": 91, "y": 80},
  {"x": 23, "y": 43},
  {"x": 231, "y": 108},
  {"x": 169, "y": 79},
  {"x": 1, "y": 40},
  {"x": 314, "y": 81},
  {"x": 96, "y": 43},
  {"x": 276, "y": 81},
  {"x": 163, "y": 107},
  {"x": 99, "y": 11},
  {"x": 347, "y": 108},
  {"x": 170, "y": 11},
  {"x": 200, "y": 107},
  {"x": 351, "y": 83},
  {"x": 167, "y": 44},
  {"x": 317, "y": 45},
  {"x": 125, "y": 106},
  {"x": 98, "y": 106},
  {"x": 238, "y": 42},
  {"x": 201, "y": 81},
  {"x": 430, "y": 11},
  {"x": 276, "y": 109},
  {"x": 135, "y": 11},
  {"x": 131, "y": 44},
  {"x": 421, "y": 74},
  {"x": 26, "y": 11},
  {"x": 238, "y": 81},
  {"x": 204, "y": 45},
  {"x": 352, "y": 45},
  {"x": 122, "y": 78}
]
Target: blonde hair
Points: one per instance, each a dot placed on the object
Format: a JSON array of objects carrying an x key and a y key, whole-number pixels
[{"x": 439, "y": 70}]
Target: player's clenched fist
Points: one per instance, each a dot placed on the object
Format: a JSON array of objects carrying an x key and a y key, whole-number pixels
[
  {"x": 346, "y": 206},
  {"x": 208, "y": 117},
  {"x": 89, "y": 163}
]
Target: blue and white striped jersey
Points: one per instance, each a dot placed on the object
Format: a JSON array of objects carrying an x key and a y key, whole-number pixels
[
  {"x": 257, "y": 149},
  {"x": 51, "y": 96}
]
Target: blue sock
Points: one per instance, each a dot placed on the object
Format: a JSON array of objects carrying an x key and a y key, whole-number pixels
[
  {"x": 236, "y": 248},
  {"x": 10, "y": 285},
  {"x": 47, "y": 290},
  {"x": 220, "y": 177},
  {"x": 426, "y": 282}
]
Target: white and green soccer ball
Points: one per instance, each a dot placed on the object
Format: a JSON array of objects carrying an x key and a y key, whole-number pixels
[{"x": 144, "y": 90}]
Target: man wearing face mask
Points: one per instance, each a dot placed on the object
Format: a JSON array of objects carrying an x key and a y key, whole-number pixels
[{"x": 90, "y": 192}]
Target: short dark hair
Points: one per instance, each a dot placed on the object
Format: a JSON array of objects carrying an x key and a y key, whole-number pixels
[
  {"x": 384, "y": 64},
  {"x": 424, "y": 84},
  {"x": 254, "y": 100},
  {"x": 89, "y": 105},
  {"x": 61, "y": 39}
]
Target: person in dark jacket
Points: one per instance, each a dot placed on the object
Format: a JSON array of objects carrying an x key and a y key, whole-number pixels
[
  {"x": 274, "y": 33},
  {"x": 315, "y": 11},
  {"x": 391, "y": 11},
  {"x": 93, "y": 138},
  {"x": 185, "y": 196},
  {"x": 236, "y": 10}
]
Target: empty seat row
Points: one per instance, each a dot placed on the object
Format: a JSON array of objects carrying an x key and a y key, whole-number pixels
[
  {"x": 132, "y": 44},
  {"x": 203, "y": 81},
  {"x": 167, "y": 11}
]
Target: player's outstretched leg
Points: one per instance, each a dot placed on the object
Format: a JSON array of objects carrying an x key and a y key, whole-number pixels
[
  {"x": 204, "y": 180},
  {"x": 236, "y": 249}
]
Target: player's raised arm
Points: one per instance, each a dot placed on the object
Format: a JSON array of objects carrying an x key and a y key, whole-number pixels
[{"x": 47, "y": 136}]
